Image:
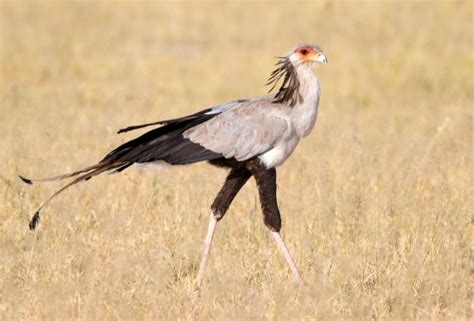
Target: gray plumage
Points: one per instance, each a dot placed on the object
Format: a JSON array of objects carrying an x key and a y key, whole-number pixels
[{"x": 246, "y": 130}]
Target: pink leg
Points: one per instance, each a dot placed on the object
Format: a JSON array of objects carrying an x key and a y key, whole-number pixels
[
  {"x": 207, "y": 248},
  {"x": 286, "y": 254}
]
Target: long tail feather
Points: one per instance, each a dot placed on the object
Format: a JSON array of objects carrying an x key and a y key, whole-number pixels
[
  {"x": 96, "y": 171},
  {"x": 30, "y": 181}
]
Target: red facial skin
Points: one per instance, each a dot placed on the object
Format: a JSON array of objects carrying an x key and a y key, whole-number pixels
[{"x": 306, "y": 52}]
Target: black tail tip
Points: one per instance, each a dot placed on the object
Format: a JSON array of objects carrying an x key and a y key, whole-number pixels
[
  {"x": 25, "y": 180},
  {"x": 34, "y": 220}
]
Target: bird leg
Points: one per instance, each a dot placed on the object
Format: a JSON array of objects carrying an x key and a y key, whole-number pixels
[
  {"x": 266, "y": 183},
  {"x": 288, "y": 258},
  {"x": 234, "y": 182},
  {"x": 207, "y": 248}
]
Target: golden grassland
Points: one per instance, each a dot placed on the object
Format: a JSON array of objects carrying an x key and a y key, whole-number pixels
[{"x": 376, "y": 202}]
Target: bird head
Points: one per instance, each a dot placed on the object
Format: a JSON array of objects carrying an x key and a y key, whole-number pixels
[
  {"x": 302, "y": 57},
  {"x": 305, "y": 53}
]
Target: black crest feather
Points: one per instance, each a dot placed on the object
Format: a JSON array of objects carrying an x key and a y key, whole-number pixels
[{"x": 288, "y": 91}]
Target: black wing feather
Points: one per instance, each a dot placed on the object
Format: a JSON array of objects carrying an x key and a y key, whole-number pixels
[
  {"x": 165, "y": 143},
  {"x": 165, "y": 122}
]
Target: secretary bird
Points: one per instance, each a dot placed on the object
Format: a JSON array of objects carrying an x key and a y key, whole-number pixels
[{"x": 250, "y": 136}]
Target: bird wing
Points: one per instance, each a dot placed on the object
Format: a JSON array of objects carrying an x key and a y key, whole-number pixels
[
  {"x": 167, "y": 142},
  {"x": 242, "y": 131}
]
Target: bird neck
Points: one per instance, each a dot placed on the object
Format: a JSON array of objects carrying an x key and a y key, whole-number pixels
[
  {"x": 308, "y": 82},
  {"x": 305, "y": 111}
]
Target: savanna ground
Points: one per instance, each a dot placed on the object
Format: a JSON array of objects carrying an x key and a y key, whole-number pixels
[{"x": 376, "y": 202}]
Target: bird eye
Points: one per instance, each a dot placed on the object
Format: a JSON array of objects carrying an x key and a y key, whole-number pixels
[{"x": 304, "y": 51}]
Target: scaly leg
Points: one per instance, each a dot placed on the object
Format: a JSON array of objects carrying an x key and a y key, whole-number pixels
[
  {"x": 234, "y": 182},
  {"x": 288, "y": 258},
  {"x": 207, "y": 248}
]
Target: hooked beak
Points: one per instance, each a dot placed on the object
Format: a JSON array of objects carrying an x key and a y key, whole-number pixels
[{"x": 321, "y": 58}]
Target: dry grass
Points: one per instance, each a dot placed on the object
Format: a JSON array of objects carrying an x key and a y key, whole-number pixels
[{"x": 376, "y": 202}]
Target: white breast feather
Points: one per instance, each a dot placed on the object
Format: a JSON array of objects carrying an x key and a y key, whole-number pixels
[{"x": 278, "y": 154}]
